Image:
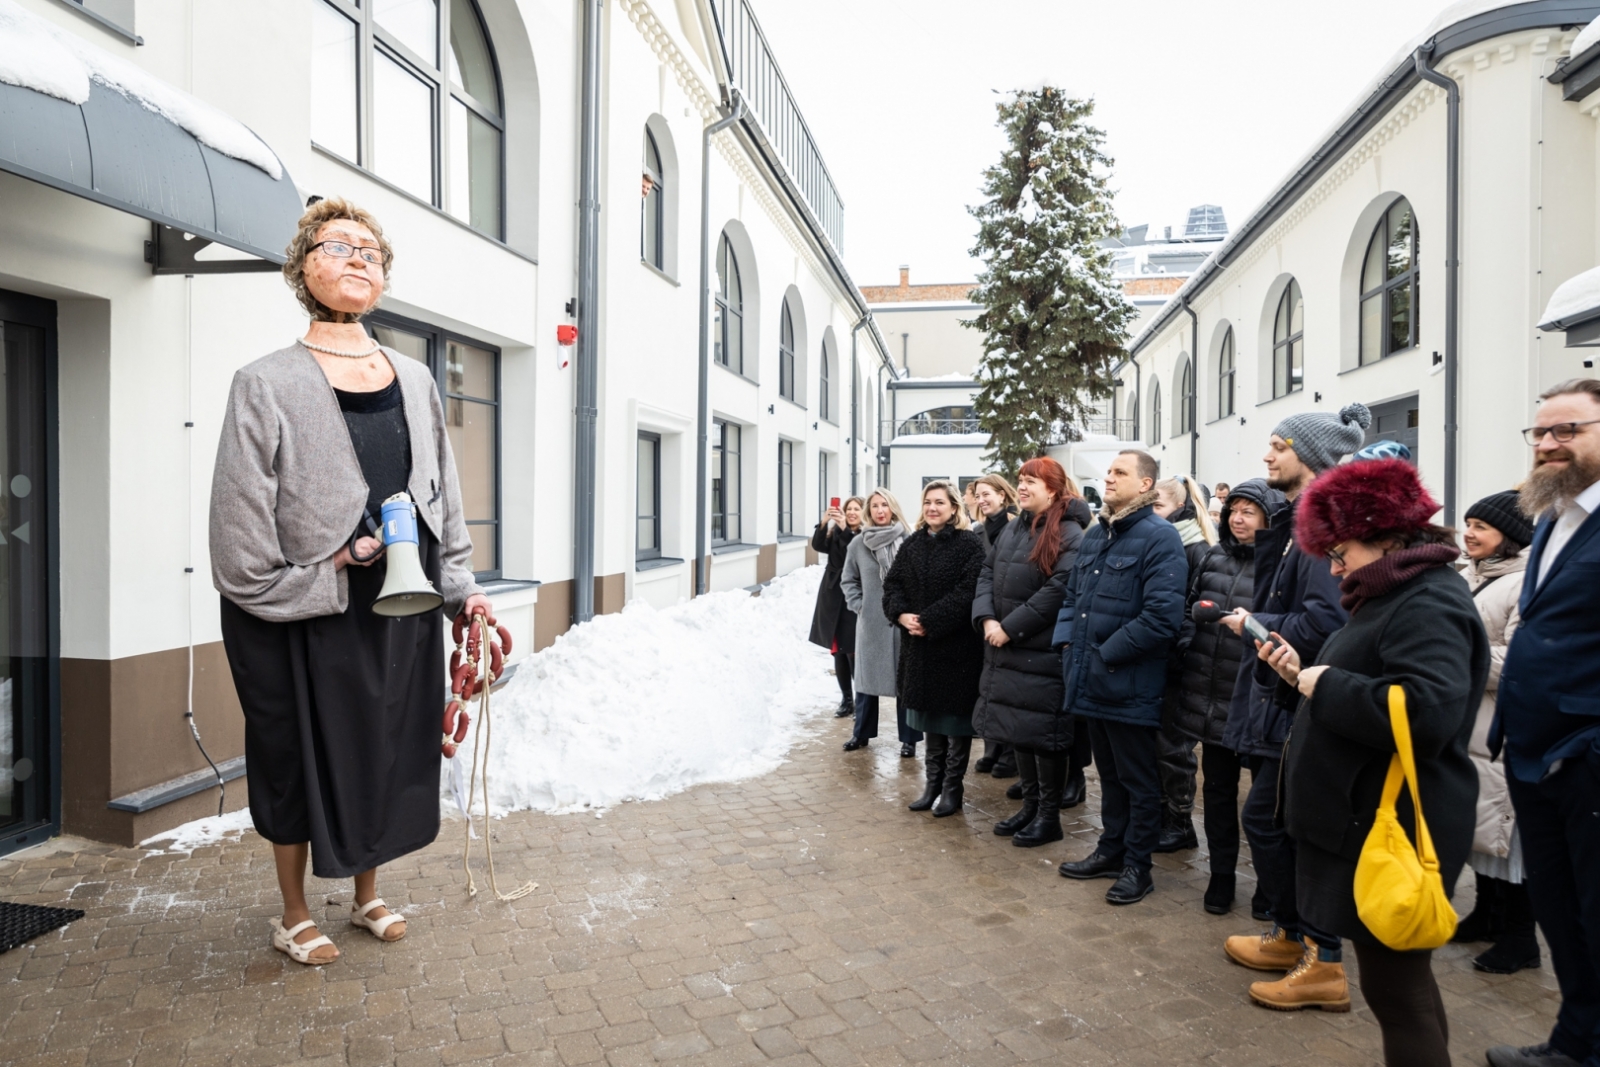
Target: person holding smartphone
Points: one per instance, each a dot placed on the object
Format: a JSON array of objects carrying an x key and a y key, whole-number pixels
[{"x": 833, "y": 624}]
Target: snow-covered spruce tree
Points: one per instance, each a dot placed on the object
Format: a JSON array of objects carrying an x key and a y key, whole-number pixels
[{"x": 1053, "y": 319}]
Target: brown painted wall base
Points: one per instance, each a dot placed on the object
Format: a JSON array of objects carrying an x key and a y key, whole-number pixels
[
  {"x": 552, "y": 615},
  {"x": 766, "y": 564}
]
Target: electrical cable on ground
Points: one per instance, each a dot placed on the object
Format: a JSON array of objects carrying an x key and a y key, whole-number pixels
[{"x": 479, "y": 658}]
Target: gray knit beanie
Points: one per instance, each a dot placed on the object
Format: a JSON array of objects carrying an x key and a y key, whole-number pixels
[{"x": 1321, "y": 439}]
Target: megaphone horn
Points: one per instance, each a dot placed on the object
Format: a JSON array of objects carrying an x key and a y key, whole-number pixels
[{"x": 406, "y": 589}]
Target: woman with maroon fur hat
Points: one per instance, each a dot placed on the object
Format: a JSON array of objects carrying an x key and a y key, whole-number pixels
[{"x": 1412, "y": 624}]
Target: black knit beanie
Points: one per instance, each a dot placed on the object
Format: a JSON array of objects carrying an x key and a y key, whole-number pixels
[{"x": 1500, "y": 510}]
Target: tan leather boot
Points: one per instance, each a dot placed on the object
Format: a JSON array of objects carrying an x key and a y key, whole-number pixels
[
  {"x": 1312, "y": 984},
  {"x": 1271, "y": 951}
]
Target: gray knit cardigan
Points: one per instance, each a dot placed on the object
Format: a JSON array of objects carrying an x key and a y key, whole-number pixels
[{"x": 288, "y": 490}]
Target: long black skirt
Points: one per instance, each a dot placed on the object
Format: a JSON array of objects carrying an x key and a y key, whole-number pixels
[{"x": 342, "y": 725}]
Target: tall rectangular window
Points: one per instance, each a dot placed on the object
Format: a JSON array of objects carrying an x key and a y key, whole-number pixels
[
  {"x": 822, "y": 485},
  {"x": 402, "y": 127},
  {"x": 724, "y": 482},
  {"x": 335, "y": 105},
  {"x": 467, "y": 375},
  {"x": 785, "y": 487},
  {"x": 647, "y": 498}
]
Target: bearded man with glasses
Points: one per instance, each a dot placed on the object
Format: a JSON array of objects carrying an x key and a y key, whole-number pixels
[{"x": 1547, "y": 716}]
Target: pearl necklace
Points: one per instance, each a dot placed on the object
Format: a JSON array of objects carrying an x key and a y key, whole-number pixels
[{"x": 336, "y": 352}]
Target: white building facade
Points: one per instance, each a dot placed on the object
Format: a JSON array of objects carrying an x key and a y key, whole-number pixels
[
  {"x": 460, "y": 125},
  {"x": 1339, "y": 288}
]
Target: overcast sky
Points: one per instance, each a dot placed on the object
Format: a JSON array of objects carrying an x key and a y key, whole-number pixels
[{"x": 1202, "y": 101}]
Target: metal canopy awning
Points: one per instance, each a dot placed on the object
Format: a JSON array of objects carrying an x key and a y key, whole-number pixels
[
  {"x": 115, "y": 151},
  {"x": 1574, "y": 308}
]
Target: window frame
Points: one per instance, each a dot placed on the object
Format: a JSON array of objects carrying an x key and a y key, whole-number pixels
[
  {"x": 786, "y": 355},
  {"x": 825, "y": 387},
  {"x": 438, "y": 338},
  {"x": 719, "y": 518},
  {"x": 1227, "y": 372},
  {"x": 785, "y": 487},
  {"x": 658, "y": 192},
  {"x": 725, "y": 310},
  {"x": 1384, "y": 291},
  {"x": 1289, "y": 343},
  {"x": 1185, "y": 396},
  {"x": 1155, "y": 413},
  {"x": 648, "y": 553},
  {"x": 373, "y": 39}
]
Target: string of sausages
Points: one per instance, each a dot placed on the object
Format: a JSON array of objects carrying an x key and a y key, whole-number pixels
[{"x": 475, "y": 665}]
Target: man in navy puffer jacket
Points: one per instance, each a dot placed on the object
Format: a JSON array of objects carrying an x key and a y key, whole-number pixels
[{"x": 1122, "y": 610}]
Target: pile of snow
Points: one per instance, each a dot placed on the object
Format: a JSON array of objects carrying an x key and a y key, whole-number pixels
[
  {"x": 37, "y": 55},
  {"x": 638, "y": 706},
  {"x": 645, "y": 703}
]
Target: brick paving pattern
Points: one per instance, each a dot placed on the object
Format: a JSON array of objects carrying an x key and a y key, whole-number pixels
[{"x": 802, "y": 918}]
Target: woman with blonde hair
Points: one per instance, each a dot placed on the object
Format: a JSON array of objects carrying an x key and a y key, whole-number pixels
[
  {"x": 928, "y": 594},
  {"x": 877, "y": 651},
  {"x": 341, "y": 705},
  {"x": 833, "y": 624},
  {"x": 997, "y": 505}
]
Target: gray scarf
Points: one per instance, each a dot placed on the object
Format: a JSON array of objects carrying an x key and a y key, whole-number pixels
[{"x": 884, "y": 542}]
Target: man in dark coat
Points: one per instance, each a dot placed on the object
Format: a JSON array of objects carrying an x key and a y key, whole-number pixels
[
  {"x": 1298, "y": 597},
  {"x": 1120, "y": 614},
  {"x": 1548, "y": 716}
]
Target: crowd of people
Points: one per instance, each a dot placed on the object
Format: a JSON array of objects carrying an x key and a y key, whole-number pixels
[{"x": 1276, "y": 625}]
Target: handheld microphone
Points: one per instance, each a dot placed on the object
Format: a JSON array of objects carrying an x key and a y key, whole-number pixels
[{"x": 1206, "y": 611}]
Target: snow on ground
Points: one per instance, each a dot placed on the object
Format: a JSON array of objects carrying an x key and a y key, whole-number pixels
[
  {"x": 639, "y": 705},
  {"x": 37, "y": 55}
]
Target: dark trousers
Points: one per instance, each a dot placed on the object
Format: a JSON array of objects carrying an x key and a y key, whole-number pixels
[
  {"x": 1221, "y": 766},
  {"x": 1130, "y": 790},
  {"x": 1175, "y": 756},
  {"x": 1400, "y": 989},
  {"x": 1561, "y": 851},
  {"x": 867, "y": 720},
  {"x": 844, "y": 668},
  {"x": 1272, "y": 851}
]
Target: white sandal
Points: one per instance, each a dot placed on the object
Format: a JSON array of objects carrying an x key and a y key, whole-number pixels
[
  {"x": 283, "y": 939},
  {"x": 379, "y": 927}
]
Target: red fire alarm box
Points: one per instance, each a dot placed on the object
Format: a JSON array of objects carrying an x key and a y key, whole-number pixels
[{"x": 566, "y": 334}]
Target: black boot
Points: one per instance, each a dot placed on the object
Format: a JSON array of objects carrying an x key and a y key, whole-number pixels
[
  {"x": 1517, "y": 946},
  {"x": 1014, "y": 791},
  {"x": 1219, "y": 893},
  {"x": 955, "y": 769},
  {"x": 1046, "y": 826},
  {"x": 1177, "y": 832},
  {"x": 1488, "y": 916},
  {"x": 1005, "y": 766},
  {"x": 1260, "y": 906},
  {"x": 933, "y": 755},
  {"x": 1076, "y": 789},
  {"x": 1029, "y": 781},
  {"x": 991, "y": 752},
  {"x": 847, "y": 708}
]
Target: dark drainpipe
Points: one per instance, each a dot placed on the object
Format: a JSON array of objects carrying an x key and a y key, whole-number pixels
[
  {"x": 702, "y": 574},
  {"x": 855, "y": 415},
  {"x": 1452, "y": 270},
  {"x": 1194, "y": 390},
  {"x": 588, "y": 377}
]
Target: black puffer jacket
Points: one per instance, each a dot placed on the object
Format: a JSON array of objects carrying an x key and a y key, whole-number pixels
[
  {"x": 934, "y": 576},
  {"x": 1206, "y": 666},
  {"x": 1021, "y": 696}
]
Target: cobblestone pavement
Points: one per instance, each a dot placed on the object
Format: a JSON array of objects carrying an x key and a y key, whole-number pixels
[{"x": 801, "y": 918}]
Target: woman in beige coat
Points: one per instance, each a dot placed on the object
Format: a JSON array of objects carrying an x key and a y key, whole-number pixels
[{"x": 1496, "y": 537}]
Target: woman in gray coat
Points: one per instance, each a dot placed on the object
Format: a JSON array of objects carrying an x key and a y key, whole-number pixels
[
  {"x": 342, "y": 706},
  {"x": 877, "y": 639}
]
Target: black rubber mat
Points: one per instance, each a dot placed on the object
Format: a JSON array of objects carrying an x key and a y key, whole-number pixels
[{"x": 24, "y": 922}]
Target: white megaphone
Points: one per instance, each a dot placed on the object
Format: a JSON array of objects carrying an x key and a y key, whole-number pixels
[{"x": 406, "y": 589}]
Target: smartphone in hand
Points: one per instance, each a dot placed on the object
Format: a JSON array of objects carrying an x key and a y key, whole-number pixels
[{"x": 1257, "y": 631}]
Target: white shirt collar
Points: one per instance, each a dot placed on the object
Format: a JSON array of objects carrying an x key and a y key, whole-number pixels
[{"x": 1588, "y": 500}]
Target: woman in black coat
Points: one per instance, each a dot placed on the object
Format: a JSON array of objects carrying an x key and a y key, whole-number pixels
[
  {"x": 1205, "y": 668},
  {"x": 833, "y": 624},
  {"x": 1021, "y": 695},
  {"x": 928, "y": 593},
  {"x": 1412, "y": 624},
  {"x": 996, "y": 501}
]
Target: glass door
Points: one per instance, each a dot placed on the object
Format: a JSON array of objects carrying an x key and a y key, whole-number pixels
[{"x": 29, "y": 667}]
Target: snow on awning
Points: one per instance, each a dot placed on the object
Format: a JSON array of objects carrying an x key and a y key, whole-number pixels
[
  {"x": 79, "y": 119},
  {"x": 1575, "y": 308}
]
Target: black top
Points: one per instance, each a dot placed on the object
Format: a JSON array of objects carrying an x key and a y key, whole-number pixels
[{"x": 377, "y": 425}]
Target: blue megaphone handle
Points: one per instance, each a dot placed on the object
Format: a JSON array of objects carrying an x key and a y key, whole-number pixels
[{"x": 399, "y": 520}]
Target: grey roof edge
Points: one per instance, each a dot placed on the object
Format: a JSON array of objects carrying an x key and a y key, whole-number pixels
[
  {"x": 913, "y": 383},
  {"x": 1572, "y": 64},
  {"x": 1535, "y": 14}
]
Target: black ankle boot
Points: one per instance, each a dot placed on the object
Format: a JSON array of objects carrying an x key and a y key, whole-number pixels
[
  {"x": 1014, "y": 791},
  {"x": 1517, "y": 946},
  {"x": 1219, "y": 893},
  {"x": 1075, "y": 791},
  {"x": 1007, "y": 827},
  {"x": 955, "y": 769},
  {"x": 1177, "y": 835},
  {"x": 933, "y": 755},
  {"x": 1487, "y": 919},
  {"x": 1046, "y": 825}
]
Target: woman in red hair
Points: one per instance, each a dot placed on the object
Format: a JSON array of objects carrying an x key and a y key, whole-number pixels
[{"x": 1020, "y": 696}]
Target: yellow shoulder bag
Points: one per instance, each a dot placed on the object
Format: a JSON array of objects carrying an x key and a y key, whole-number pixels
[{"x": 1399, "y": 893}]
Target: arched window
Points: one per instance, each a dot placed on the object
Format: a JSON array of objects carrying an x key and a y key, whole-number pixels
[
  {"x": 1129, "y": 429},
  {"x": 825, "y": 386},
  {"x": 729, "y": 327},
  {"x": 652, "y": 222},
  {"x": 1155, "y": 413},
  {"x": 1389, "y": 285},
  {"x": 431, "y": 122},
  {"x": 1183, "y": 417},
  {"x": 1288, "y": 342},
  {"x": 1225, "y": 376},
  {"x": 786, "y": 353}
]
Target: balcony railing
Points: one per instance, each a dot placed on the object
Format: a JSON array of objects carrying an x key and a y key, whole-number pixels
[
  {"x": 916, "y": 426},
  {"x": 768, "y": 99},
  {"x": 1121, "y": 429}
]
